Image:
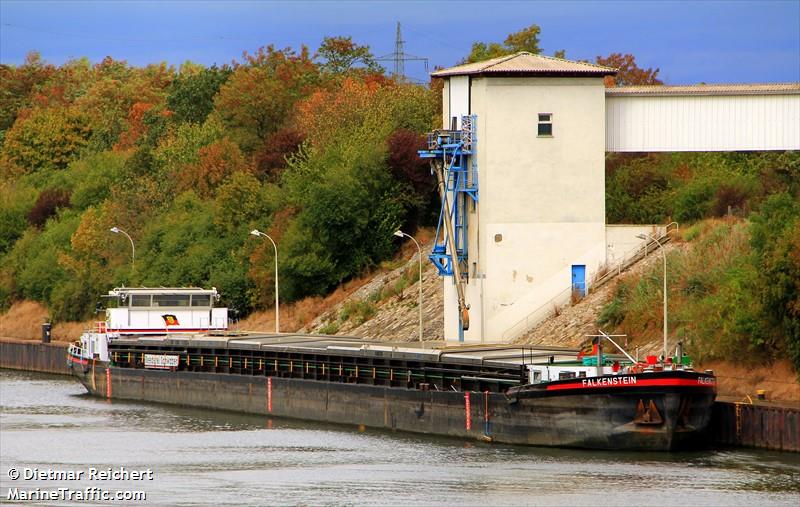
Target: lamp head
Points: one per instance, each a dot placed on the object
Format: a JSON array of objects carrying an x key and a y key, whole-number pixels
[
  {"x": 115, "y": 230},
  {"x": 255, "y": 232},
  {"x": 399, "y": 233},
  {"x": 642, "y": 236}
]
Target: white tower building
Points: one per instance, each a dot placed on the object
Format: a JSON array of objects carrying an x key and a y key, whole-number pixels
[
  {"x": 526, "y": 199},
  {"x": 539, "y": 222}
]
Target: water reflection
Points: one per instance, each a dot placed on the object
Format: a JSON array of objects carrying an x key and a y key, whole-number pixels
[{"x": 203, "y": 457}]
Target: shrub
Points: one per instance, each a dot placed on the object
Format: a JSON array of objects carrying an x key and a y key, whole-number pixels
[
  {"x": 329, "y": 328},
  {"x": 359, "y": 311},
  {"x": 613, "y": 313}
]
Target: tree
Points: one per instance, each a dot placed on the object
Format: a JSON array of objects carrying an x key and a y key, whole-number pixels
[
  {"x": 47, "y": 138},
  {"x": 17, "y": 85},
  {"x": 111, "y": 92},
  {"x": 270, "y": 159},
  {"x": 15, "y": 201},
  {"x": 628, "y": 74},
  {"x": 216, "y": 162},
  {"x": 47, "y": 205},
  {"x": 182, "y": 147},
  {"x": 340, "y": 54},
  {"x": 191, "y": 95},
  {"x": 405, "y": 163},
  {"x": 257, "y": 98},
  {"x": 776, "y": 244},
  {"x": 94, "y": 176},
  {"x": 526, "y": 39}
]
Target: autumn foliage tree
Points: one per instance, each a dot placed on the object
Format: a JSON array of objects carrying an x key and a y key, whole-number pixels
[
  {"x": 216, "y": 163},
  {"x": 47, "y": 205},
  {"x": 526, "y": 39},
  {"x": 628, "y": 74},
  {"x": 340, "y": 54},
  {"x": 257, "y": 98},
  {"x": 17, "y": 84},
  {"x": 271, "y": 158},
  {"x": 46, "y": 138}
]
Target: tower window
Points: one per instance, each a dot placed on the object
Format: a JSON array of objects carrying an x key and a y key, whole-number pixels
[{"x": 545, "y": 125}]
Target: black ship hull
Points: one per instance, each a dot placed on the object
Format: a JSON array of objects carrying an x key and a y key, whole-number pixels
[{"x": 649, "y": 411}]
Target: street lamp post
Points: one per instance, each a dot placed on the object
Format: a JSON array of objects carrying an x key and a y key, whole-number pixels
[
  {"x": 401, "y": 234},
  {"x": 664, "y": 257},
  {"x": 117, "y": 230},
  {"x": 256, "y": 232}
]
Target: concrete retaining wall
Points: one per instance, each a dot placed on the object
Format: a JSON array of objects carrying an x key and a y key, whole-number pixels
[{"x": 30, "y": 355}]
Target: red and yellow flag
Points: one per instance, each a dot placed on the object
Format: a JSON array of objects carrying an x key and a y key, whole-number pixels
[{"x": 170, "y": 320}]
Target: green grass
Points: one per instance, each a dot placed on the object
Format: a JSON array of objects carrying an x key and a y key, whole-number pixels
[{"x": 714, "y": 300}]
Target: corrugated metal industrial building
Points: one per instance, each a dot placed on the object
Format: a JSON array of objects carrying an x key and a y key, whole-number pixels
[{"x": 703, "y": 118}]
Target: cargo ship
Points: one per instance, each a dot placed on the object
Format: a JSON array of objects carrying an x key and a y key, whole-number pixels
[{"x": 172, "y": 345}]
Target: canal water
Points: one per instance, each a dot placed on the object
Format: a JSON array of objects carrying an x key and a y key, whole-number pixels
[{"x": 200, "y": 457}]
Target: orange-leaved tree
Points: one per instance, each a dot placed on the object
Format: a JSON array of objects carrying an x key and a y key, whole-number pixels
[{"x": 628, "y": 74}]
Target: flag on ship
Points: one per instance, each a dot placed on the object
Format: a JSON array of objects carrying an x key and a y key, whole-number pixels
[{"x": 170, "y": 320}]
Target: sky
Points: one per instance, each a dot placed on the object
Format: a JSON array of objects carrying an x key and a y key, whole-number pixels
[{"x": 721, "y": 41}]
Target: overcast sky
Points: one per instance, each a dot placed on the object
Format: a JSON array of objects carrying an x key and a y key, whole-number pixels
[{"x": 704, "y": 41}]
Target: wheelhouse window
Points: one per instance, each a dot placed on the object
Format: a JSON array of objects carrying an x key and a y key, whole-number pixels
[
  {"x": 140, "y": 300},
  {"x": 545, "y": 127},
  {"x": 201, "y": 300},
  {"x": 171, "y": 300}
]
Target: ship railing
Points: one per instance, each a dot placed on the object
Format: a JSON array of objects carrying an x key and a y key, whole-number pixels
[{"x": 75, "y": 350}]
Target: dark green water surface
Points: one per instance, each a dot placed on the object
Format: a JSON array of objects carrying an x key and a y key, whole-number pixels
[{"x": 200, "y": 457}]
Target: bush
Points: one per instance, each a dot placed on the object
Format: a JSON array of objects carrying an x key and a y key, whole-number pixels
[
  {"x": 73, "y": 300},
  {"x": 694, "y": 201},
  {"x": 776, "y": 244},
  {"x": 613, "y": 313},
  {"x": 329, "y": 328},
  {"x": 358, "y": 311}
]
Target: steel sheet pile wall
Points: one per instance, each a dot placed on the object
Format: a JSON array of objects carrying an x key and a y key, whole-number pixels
[
  {"x": 32, "y": 355},
  {"x": 762, "y": 426}
]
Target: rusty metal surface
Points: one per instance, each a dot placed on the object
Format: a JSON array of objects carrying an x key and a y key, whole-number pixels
[
  {"x": 29, "y": 355},
  {"x": 761, "y": 426}
]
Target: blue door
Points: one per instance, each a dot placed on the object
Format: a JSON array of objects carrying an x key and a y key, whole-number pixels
[{"x": 579, "y": 279}]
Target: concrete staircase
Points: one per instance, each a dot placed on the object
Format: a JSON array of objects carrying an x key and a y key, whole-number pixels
[{"x": 566, "y": 297}]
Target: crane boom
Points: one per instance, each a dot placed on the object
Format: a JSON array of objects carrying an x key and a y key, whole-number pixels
[{"x": 437, "y": 167}]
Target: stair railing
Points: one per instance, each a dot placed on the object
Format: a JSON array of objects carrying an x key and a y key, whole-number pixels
[{"x": 554, "y": 304}]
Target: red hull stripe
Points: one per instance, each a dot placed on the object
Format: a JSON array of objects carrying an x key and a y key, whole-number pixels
[
  {"x": 664, "y": 382},
  {"x": 79, "y": 361},
  {"x": 165, "y": 329}
]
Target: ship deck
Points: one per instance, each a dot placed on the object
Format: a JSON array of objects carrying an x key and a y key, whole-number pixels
[{"x": 493, "y": 367}]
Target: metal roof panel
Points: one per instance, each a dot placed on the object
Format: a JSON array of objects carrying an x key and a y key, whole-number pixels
[{"x": 705, "y": 89}]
